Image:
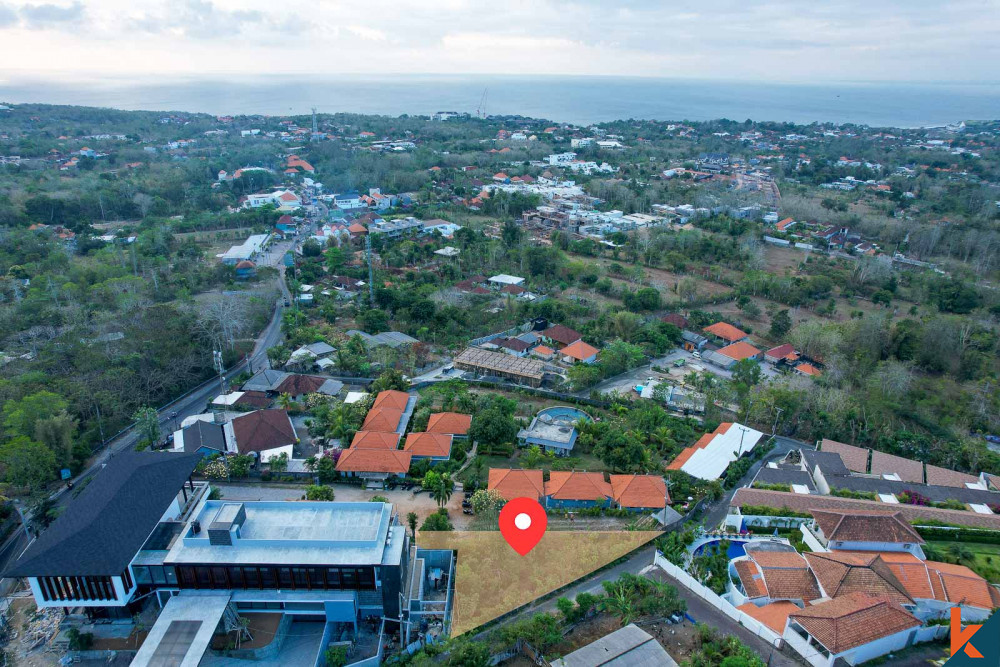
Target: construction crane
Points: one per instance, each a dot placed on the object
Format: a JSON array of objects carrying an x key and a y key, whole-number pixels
[{"x": 481, "y": 109}]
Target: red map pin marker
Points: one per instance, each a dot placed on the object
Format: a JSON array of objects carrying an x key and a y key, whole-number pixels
[{"x": 522, "y": 524}]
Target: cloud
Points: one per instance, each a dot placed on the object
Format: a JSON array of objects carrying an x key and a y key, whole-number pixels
[
  {"x": 42, "y": 17},
  {"x": 370, "y": 34},
  {"x": 201, "y": 19}
]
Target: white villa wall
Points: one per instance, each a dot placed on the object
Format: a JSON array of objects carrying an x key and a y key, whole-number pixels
[{"x": 747, "y": 621}]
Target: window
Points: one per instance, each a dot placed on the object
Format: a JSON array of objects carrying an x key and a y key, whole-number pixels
[
  {"x": 236, "y": 577},
  {"x": 284, "y": 577},
  {"x": 299, "y": 573},
  {"x": 267, "y": 577},
  {"x": 333, "y": 577},
  {"x": 219, "y": 579},
  {"x": 252, "y": 577},
  {"x": 142, "y": 575},
  {"x": 171, "y": 575},
  {"x": 186, "y": 576},
  {"x": 158, "y": 575},
  {"x": 204, "y": 577},
  {"x": 316, "y": 579},
  {"x": 349, "y": 577},
  {"x": 366, "y": 578}
]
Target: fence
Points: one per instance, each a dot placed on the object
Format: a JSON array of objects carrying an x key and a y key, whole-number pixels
[
  {"x": 809, "y": 653},
  {"x": 753, "y": 625}
]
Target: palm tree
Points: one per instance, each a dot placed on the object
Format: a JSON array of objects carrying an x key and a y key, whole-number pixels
[
  {"x": 443, "y": 490},
  {"x": 411, "y": 520},
  {"x": 285, "y": 402}
]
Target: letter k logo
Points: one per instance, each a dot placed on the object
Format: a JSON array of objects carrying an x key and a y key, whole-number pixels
[{"x": 960, "y": 638}]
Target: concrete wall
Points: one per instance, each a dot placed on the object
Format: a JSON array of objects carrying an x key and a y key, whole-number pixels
[{"x": 747, "y": 621}]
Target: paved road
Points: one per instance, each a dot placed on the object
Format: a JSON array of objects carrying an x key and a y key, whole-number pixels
[{"x": 194, "y": 402}]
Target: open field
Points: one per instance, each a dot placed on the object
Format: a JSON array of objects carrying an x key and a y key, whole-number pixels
[{"x": 986, "y": 558}]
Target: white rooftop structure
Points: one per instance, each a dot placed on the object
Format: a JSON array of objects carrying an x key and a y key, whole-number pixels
[
  {"x": 227, "y": 399},
  {"x": 711, "y": 461},
  {"x": 354, "y": 396},
  {"x": 183, "y": 630},
  {"x": 247, "y": 250},
  {"x": 888, "y": 498},
  {"x": 504, "y": 279}
]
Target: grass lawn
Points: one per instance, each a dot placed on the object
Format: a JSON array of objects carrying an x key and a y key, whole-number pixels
[{"x": 986, "y": 558}]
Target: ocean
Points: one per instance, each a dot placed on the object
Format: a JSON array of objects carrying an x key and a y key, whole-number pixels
[{"x": 580, "y": 100}]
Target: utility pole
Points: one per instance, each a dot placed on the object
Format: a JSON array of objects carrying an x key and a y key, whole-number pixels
[
  {"x": 315, "y": 125},
  {"x": 371, "y": 272},
  {"x": 221, "y": 367},
  {"x": 777, "y": 414}
]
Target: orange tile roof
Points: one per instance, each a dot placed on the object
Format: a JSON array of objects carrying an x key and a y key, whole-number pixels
[
  {"x": 579, "y": 350},
  {"x": 572, "y": 485},
  {"x": 725, "y": 331},
  {"x": 543, "y": 349},
  {"x": 855, "y": 458},
  {"x": 774, "y": 615},
  {"x": 375, "y": 440},
  {"x": 910, "y": 571},
  {"x": 703, "y": 441},
  {"x": 517, "y": 483},
  {"x": 961, "y": 585},
  {"x": 853, "y": 620},
  {"x": 861, "y": 526},
  {"x": 428, "y": 444},
  {"x": 751, "y": 578},
  {"x": 391, "y": 399},
  {"x": 358, "y": 459},
  {"x": 454, "y": 423},
  {"x": 382, "y": 419},
  {"x": 808, "y": 369},
  {"x": 639, "y": 490},
  {"x": 740, "y": 351},
  {"x": 844, "y": 572}
]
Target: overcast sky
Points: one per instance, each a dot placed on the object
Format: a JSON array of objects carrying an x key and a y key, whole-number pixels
[{"x": 776, "y": 40}]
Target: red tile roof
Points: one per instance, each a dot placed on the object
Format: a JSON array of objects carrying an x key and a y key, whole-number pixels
[
  {"x": 579, "y": 351},
  {"x": 781, "y": 351},
  {"x": 562, "y": 334},
  {"x": 853, "y": 620},
  {"x": 428, "y": 444},
  {"x": 639, "y": 490},
  {"x": 844, "y": 572},
  {"x": 453, "y": 423},
  {"x": 382, "y": 419},
  {"x": 725, "y": 331},
  {"x": 808, "y": 369},
  {"x": 740, "y": 351},
  {"x": 962, "y": 586},
  {"x": 911, "y": 572},
  {"x": 261, "y": 430},
  {"x": 357, "y": 459},
  {"x": 702, "y": 442},
  {"x": 517, "y": 483},
  {"x": 855, "y": 458},
  {"x": 774, "y": 615},
  {"x": 375, "y": 440},
  {"x": 866, "y": 526},
  {"x": 391, "y": 399},
  {"x": 751, "y": 578},
  {"x": 676, "y": 319},
  {"x": 296, "y": 385},
  {"x": 572, "y": 485}
]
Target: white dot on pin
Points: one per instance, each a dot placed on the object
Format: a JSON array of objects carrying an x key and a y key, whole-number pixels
[{"x": 522, "y": 521}]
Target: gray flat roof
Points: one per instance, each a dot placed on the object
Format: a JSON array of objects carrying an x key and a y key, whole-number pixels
[
  {"x": 630, "y": 646},
  {"x": 183, "y": 630},
  {"x": 305, "y": 533}
]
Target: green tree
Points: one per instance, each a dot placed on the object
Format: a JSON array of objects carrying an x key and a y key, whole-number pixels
[
  {"x": 493, "y": 426},
  {"x": 21, "y": 416},
  {"x": 442, "y": 490},
  {"x": 27, "y": 464},
  {"x": 470, "y": 654},
  {"x": 278, "y": 463},
  {"x": 335, "y": 656},
  {"x": 437, "y": 521},
  {"x": 781, "y": 324},
  {"x": 390, "y": 380},
  {"x": 239, "y": 465},
  {"x": 411, "y": 521},
  {"x": 319, "y": 492},
  {"x": 147, "y": 424},
  {"x": 747, "y": 372}
]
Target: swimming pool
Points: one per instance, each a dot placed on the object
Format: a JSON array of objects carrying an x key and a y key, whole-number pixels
[
  {"x": 564, "y": 414},
  {"x": 735, "y": 549}
]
